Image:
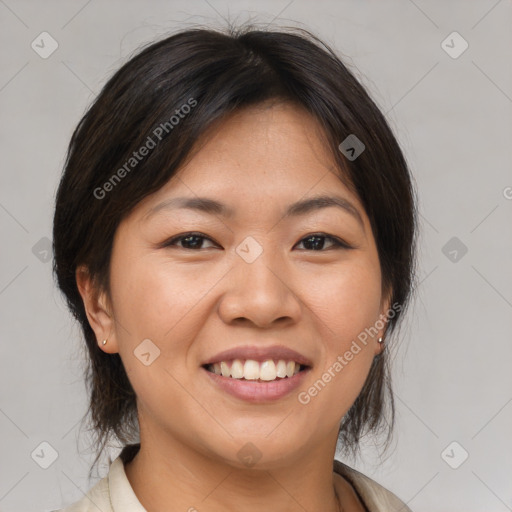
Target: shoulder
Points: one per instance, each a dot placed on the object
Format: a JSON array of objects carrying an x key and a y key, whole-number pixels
[
  {"x": 97, "y": 498},
  {"x": 376, "y": 497},
  {"x": 113, "y": 492}
]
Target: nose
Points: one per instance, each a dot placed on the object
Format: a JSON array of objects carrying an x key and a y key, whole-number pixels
[{"x": 260, "y": 293}]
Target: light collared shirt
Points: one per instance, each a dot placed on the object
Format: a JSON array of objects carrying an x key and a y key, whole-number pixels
[{"x": 115, "y": 494}]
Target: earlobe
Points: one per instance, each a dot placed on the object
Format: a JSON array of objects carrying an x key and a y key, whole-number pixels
[
  {"x": 97, "y": 310},
  {"x": 383, "y": 319}
]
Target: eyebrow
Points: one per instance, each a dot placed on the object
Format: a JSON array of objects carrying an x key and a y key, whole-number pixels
[{"x": 214, "y": 207}]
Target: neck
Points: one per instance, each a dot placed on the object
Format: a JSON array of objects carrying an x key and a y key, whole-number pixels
[{"x": 176, "y": 478}]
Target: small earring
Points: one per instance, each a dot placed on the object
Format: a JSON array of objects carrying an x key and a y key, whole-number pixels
[
  {"x": 381, "y": 340},
  {"x": 104, "y": 342}
]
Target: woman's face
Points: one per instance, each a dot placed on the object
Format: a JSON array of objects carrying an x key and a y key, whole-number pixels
[{"x": 251, "y": 280}]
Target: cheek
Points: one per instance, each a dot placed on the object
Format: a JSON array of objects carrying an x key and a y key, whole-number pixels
[
  {"x": 347, "y": 301},
  {"x": 153, "y": 296},
  {"x": 167, "y": 304},
  {"x": 347, "y": 305},
  {"x": 163, "y": 304}
]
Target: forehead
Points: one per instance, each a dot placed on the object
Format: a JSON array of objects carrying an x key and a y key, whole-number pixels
[
  {"x": 271, "y": 139},
  {"x": 274, "y": 151}
]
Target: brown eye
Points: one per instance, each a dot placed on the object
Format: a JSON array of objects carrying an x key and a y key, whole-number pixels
[
  {"x": 316, "y": 242},
  {"x": 191, "y": 241}
]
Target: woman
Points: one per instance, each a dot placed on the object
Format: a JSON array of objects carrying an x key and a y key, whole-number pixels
[{"x": 235, "y": 232}]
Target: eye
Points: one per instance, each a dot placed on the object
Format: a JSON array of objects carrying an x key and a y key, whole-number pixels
[
  {"x": 188, "y": 240},
  {"x": 313, "y": 242},
  {"x": 316, "y": 242}
]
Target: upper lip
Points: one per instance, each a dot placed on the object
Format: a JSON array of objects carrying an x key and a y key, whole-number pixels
[{"x": 260, "y": 354}]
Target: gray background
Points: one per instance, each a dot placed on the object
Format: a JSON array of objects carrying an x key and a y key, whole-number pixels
[{"x": 452, "y": 115}]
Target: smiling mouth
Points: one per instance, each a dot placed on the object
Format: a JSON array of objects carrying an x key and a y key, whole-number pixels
[{"x": 258, "y": 371}]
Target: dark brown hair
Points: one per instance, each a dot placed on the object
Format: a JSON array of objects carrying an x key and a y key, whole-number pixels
[{"x": 216, "y": 73}]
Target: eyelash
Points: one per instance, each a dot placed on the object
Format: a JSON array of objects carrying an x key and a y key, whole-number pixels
[{"x": 337, "y": 242}]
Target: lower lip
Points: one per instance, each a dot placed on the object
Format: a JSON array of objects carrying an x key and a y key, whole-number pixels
[{"x": 255, "y": 391}]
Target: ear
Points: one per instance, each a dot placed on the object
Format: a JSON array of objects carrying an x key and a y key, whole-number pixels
[{"x": 98, "y": 310}]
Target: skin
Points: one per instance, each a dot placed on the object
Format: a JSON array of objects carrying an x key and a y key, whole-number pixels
[{"x": 194, "y": 303}]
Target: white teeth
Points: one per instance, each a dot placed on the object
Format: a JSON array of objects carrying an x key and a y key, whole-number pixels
[
  {"x": 253, "y": 370},
  {"x": 281, "y": 368},
  {"x": 268, "y": 370},
  {"x": 237, "y": 369},
  {"x": 224, "y": 368}
]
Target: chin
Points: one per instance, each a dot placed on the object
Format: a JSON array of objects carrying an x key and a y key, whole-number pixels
[{"x": 259, "y": 452}]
